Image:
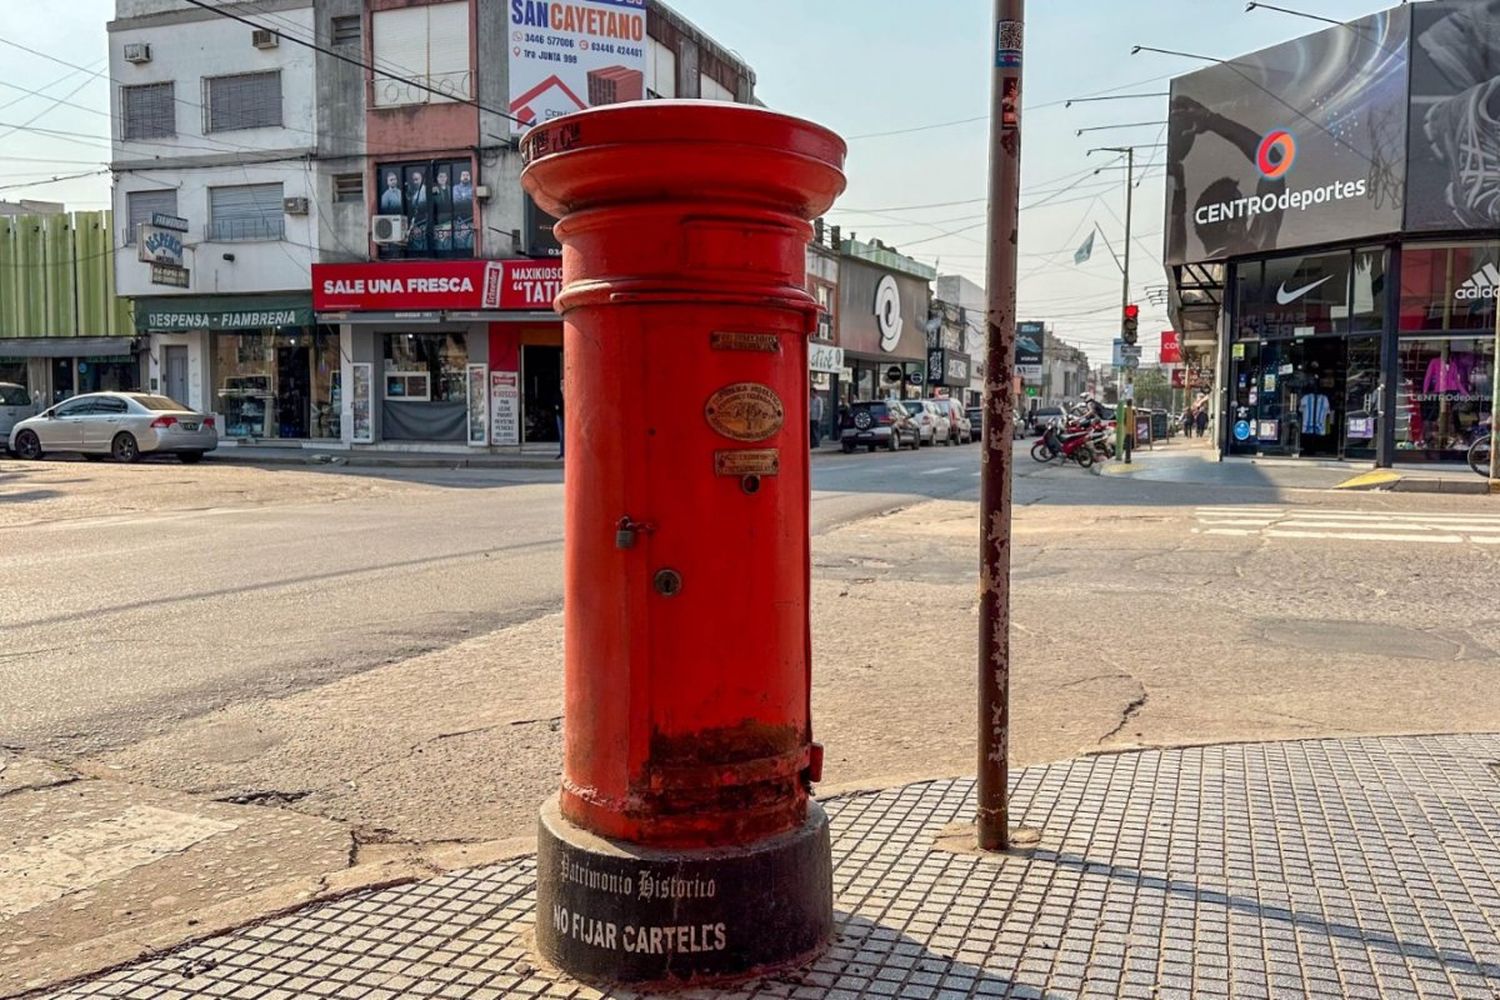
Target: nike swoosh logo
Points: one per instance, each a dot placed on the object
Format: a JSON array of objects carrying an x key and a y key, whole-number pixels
[{"x": 1286, "y": 298}]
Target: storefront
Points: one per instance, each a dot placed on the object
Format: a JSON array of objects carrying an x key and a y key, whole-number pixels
[
  {"x": 1346, "y": 253},
  {"x": 260, "y": 363},
  {"x": 446, "y": 353},
  {"x": 825, "y": 366},
  {"x": 55, "y": 368},
  {"x": 882, "y": 318},
  {"x": 949, "y": 373}
]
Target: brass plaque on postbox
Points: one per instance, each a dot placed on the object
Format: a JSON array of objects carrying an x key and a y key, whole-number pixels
[
  {"x": 745, "y": 411},
  {"x": 758, "y": 343},
  {"x": 747, "y": 462}
]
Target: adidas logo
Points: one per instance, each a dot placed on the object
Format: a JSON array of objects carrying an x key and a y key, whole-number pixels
[{"x": 1485, "y": 284}]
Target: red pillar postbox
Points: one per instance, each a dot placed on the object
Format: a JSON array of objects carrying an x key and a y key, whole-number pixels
[{"x": 683, "y": 844}]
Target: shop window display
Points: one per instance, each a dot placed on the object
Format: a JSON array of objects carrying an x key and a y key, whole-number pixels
[
  {"x": 1446, "y": 361},
  {"x": 1445, "y": 394},
  {"x": 119, "y": 373},
  {"x": 279, "y": 384},
  {"x": 425, "y": 386}
]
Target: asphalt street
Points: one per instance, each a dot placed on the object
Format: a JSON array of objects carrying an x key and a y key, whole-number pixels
[
  {"x": 117, "y": 623},
  {"x": 228, "y": 689}
]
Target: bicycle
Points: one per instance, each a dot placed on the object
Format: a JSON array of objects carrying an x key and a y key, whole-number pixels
[{"x": 1479, "y": 454}]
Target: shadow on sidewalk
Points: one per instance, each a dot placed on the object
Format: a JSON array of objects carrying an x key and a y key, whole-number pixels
[
  {"x": 1265, "y": 914},
  {"x": 864, "y": 952}
]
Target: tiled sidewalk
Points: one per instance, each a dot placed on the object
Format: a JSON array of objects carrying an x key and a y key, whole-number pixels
[{"x": 1360, "y": 868}]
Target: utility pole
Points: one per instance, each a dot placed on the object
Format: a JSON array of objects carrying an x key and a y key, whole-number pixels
[
  {"x": 999, "y": 429},
  {"x": 1125, "y": 294}
]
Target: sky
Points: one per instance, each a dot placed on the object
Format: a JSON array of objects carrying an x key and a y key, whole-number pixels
[{"x": 918, "y": 68}]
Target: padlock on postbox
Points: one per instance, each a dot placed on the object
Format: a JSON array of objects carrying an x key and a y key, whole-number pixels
[{"x": 684, "y": 843}]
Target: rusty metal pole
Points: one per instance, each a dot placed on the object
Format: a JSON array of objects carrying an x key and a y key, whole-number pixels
[{"x": 999, "y": 429}]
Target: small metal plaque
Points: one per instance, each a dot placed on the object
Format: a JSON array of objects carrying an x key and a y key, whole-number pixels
[
  {"x": 748, "y": 462},
  {"x": 745, "y": 411},
  {"x": 757, "y": 343}
]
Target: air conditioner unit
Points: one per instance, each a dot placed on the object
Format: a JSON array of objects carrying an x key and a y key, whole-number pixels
[
  {"x": 138, "y": 52},
  {"x": 388, "y": 228},
  {"x": 294, "y": 206},
  {"x": 264, "y": 38}
]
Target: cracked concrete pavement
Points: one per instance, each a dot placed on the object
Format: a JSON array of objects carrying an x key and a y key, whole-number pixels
[{"x": 1129, "y": 629}]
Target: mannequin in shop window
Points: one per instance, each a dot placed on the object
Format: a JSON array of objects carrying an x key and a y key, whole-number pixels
[{"x": 1448, "y": 381}]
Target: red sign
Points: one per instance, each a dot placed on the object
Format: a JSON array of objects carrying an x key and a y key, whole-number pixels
[
  {"x": 436, "y": 286},
  {"x": 1179, "y": 378},
  {"x": 1171, "y": 347}
]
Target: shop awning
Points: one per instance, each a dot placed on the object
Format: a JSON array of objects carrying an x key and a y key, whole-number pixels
[
  {"x": 398, "y": 318},
  {"x": 66, "y": 347},
  {"x": 222, "y": 312}
]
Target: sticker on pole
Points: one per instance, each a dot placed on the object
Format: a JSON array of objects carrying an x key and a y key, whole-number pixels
[
  {"x": 745, "y": 411},
  {"x": 1008, "y": 44}
]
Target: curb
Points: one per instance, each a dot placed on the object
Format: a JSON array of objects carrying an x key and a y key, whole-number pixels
[
  {"x": 382, "y": 462},
  {"x": 1397, "y": 482}
]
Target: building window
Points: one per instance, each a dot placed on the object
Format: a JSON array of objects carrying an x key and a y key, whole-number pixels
[
  {"x": 148, "y": 111},
  {"x": 346, "y": 30},
  {"x": 141, "y": 205},
  {"x": 427, "y": 44},
  {"x": 245, "y": 212},
  {"x": 710, "y": 89},
  {"x": 437, "y": 199},
  {"x": 661, "y": 70},
  {"x": 245, "y": 100},
  {"x": 349, "y": 188}
]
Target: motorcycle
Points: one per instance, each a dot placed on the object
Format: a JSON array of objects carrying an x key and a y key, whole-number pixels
[{"x": 1078, "y": 443}]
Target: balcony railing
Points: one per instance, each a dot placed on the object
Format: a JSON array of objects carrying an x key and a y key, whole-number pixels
[{"x": 241, "y": 230}]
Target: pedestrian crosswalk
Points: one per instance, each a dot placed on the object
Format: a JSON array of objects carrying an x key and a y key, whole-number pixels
[{"x": 1349, "y": 525}]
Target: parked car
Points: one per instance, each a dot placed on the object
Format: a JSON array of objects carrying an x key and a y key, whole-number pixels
[
  {"x": 934, "y": 422},
  {"x": 878, "y": 424},
  {"x": 120, "y": 425},
  {"x": 15, "y": 406},
  {"x": 961, "y": 429},
  {"x": 1043, "y": 417},
  {"x": 976, "y": 424}
]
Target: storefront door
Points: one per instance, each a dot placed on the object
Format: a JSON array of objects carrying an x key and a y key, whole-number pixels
[
  {"x": 541, "y": 367},
  {"x": 63, "y": 385},
  {"x": 294, "y": 390},
  {"x": 1310, "y": 398},
  {"x": 175, "y": 372}
]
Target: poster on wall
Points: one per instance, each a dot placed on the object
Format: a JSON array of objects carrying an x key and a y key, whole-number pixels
[
  {"x": 1265, "y": 152},
  {"x": 479, "y": 405},
  {"x": 361, "y": 427},
  {"x": 565, "y": 57},
  {"x": 505, "y": 409},
  {"x": 1031, "y": 339},
  {"x": 1455, "y": 91}
]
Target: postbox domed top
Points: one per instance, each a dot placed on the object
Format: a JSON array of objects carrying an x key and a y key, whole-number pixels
[{"x": 682, "y": 150}]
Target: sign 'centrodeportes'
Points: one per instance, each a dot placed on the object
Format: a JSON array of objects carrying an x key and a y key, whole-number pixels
[{"x": 684, "y": 844}]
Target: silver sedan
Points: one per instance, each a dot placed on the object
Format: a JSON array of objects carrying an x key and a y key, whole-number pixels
[{"x": 121, "y": 425}]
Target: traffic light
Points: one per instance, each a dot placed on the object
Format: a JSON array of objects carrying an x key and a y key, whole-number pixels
[{"x": 1130, "y": 331}]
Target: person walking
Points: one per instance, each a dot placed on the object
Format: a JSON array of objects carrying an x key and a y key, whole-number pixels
[
  {"x": 815, "y": 418},
  {"x": 1202, "y": 421},
  {"x": 561, "y": 437}
]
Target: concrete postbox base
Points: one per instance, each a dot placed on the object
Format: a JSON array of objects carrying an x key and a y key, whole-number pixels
[{"x": 618, "y": 912}]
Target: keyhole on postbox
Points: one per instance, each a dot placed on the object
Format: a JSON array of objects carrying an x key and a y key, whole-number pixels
[
  {"x": 750, "y": 484},
  {"x": 668, "y": 582}
]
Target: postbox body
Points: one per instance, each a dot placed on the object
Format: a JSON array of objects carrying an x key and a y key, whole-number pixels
[{"x": 684, "y": 228}]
